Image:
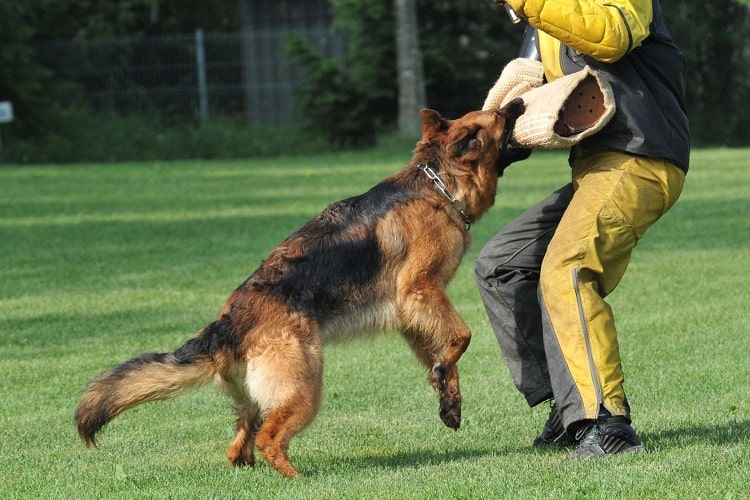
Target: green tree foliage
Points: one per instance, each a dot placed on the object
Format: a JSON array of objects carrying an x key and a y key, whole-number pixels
[
  {"x": 714, "y": 38},
  {"x": 35, "y": 91},
  {"x": 466, "y": 44},
  {"x": 89, "y": 19},
  {"x": 339, "y": 104},
  {"x": 464, "y": 47},
  {"x": 24, "y": 82},
  {"x": 371, "y": 58},
  {"x": 349, "y": 100}
]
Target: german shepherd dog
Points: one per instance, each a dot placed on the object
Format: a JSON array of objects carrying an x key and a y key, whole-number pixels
[{"x": 378, "y": 261}]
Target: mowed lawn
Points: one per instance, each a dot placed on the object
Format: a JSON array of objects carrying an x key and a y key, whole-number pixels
[{"x": 100, "y": 263}]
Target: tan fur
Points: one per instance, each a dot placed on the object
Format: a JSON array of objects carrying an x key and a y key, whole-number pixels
[{"x": 376, "y": 262}]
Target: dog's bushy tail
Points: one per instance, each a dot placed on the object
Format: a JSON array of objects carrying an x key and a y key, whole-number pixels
[{"x": 152, "y": 377}]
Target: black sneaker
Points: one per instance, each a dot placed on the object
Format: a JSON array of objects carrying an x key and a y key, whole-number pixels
[
  {"x": 606, "y": 436},
  {"x": 554, "y": 433}
]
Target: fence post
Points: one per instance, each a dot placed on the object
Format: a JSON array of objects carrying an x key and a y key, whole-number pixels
[
  {"x": 200, "y": 61},
  {"x": 6, "y": 116}
]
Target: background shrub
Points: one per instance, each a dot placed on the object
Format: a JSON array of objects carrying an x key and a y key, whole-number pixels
[{"x": 109, "y": 136}]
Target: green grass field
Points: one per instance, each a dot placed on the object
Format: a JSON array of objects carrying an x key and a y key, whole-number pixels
[{"x": 101, "y": 263}]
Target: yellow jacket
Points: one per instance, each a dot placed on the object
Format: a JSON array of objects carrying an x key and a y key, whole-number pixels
[
  {"x": 628, "y": 42},
  {"x": 604, "y": 30}
]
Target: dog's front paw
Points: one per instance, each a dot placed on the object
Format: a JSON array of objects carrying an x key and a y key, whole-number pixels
[{"x": 450, "y": 413}]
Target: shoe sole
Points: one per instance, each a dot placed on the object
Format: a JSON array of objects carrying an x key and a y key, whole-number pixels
[{"x": 633, "y": 449}]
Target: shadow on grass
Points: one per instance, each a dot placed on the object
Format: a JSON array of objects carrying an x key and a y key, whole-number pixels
[
  {"x": 727, "y": 433},
  {"x": 412, "y": 459},
  {"x": 724, "y": 433}
]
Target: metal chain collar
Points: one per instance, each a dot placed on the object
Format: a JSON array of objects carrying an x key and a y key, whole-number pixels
[{"x": 435, "y": 177}]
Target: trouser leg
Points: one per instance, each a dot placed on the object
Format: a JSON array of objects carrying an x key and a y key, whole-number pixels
[
  {"x": 507, "y": 273},
  {"x": 617, "y": 198}
]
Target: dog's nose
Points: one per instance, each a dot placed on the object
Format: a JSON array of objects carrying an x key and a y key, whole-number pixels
[{"x": 514, "y": 108}]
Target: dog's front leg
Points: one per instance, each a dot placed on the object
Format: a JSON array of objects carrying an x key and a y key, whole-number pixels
[
  {"x": 449, "y": 392},
  {"x": 439, "y": 337},
  {"x": 444, "y": 375}
]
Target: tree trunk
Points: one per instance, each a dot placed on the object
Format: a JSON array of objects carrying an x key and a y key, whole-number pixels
[{"x": 411, "y": 91}]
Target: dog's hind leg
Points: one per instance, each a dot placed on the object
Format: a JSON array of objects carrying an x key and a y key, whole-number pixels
[
  {"x": 287, "y": 382},
  {"x": 242, "y": 449},
  {"x": 277, "y": 430}
]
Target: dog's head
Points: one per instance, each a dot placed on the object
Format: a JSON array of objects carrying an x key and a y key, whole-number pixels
[
  {"x": 478, "y": 139},
  {"x": 471, "y": 151}
]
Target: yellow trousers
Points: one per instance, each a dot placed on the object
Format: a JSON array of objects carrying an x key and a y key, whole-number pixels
[
  {"x": 544, "y": 278},
  {"x": 617, "y": 197}
]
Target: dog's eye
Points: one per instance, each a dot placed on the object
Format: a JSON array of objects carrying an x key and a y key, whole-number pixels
[
  {"x": 475, "y": 143},
  {"x": 469, "y": 143}
]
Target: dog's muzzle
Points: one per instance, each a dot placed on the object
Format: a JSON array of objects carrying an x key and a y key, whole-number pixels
[{"x": 510, "y": 152}]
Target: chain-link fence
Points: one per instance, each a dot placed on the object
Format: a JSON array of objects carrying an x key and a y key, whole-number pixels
[{"x": 182, "y": 76}]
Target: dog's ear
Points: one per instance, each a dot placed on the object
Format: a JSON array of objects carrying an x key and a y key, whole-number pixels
[{"x": 432, "y": 122}]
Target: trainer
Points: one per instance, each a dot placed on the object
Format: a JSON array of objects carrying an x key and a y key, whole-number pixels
[{"x": 545, "y": 276}]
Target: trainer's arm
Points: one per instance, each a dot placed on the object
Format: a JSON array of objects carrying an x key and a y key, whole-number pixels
[{"x": 605, "y": 30}]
